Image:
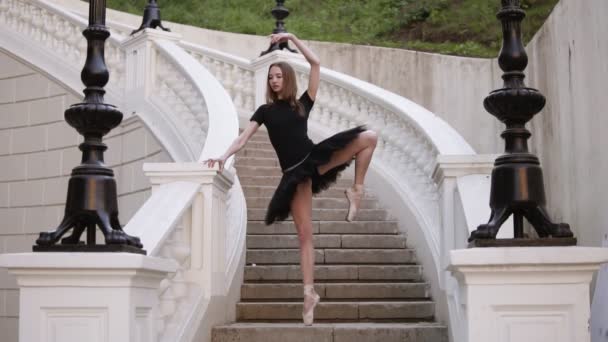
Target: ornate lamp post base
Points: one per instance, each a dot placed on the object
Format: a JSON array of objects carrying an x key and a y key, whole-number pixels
[
  {"x": 80, "y": 248},
  {"x": 523, "y": 242},
  {"x": 517, "y": 178},
  {"x": 92, "y": 200}
]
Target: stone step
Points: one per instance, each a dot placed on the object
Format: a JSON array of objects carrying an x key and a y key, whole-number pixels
[
  {"x": 327, "y": 241},
  {"x": 266, "y": 273},
  {"x": 275, "y": 171},
  {"x": 267, "y": 191},
  {"x": 331, "y": 291},
  {"x": 318, "y": 203},
  {"x": 258, "y": 145},
  {"x": 332, "y": 256},
  {"x": 326, "y": 227},
  {"x": 244, "y": 171},
  {"x": 338, "y": 311},
  {"x": 257, "y": 214},
  {"x": 257, "y": 152},
  {"x": 330, "y": 332},
  {"x": 267, "y": 180},
  {"x": 257, "y": 161}
]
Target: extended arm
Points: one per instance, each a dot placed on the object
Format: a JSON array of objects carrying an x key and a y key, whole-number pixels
[
  {"x": 311, "y": 57},
  {"x": 236, "y": 145}
]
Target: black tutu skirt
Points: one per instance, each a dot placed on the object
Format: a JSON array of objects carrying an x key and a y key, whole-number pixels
[{"x": 280, "y": 204}]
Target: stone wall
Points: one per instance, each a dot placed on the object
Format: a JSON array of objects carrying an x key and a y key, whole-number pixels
[
  {"x": 569, "y": 64},
  {"x": 38, "y": 150}
]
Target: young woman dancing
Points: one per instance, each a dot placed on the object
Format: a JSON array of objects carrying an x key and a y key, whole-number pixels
[{"x": 307, "y": 168}]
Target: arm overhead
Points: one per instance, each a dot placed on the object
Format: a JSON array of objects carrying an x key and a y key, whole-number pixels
[{"x": 311, "y": 57}]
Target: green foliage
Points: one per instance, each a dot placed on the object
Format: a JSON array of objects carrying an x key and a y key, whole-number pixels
[{"x": 460, "y": 27}]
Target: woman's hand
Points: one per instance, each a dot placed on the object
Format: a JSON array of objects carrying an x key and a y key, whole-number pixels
[
  {"x": 280, "y": 37},
  {"x": 211, "y": 162}
]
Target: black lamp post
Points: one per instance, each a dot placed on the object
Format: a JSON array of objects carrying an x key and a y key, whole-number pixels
[
  {"x": 279, "y": 13},
  {"x": 517, "y": 179},
  {"x": 151, "y": 17},
  {"x": 91, "y": 199}
]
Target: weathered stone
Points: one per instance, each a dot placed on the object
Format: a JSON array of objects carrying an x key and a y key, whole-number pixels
[
  {"x": 396, "y": 310},
  {"x": 358, "y": 266},
  {"x": 290, "y": 241},
  {"x": 369, "y": 256},
  {"x": 278, "y": 256},
  {"x": 367, "y": 227},
  {"x": 373, "y": 241},
  {"x": 293, "y": 272}
]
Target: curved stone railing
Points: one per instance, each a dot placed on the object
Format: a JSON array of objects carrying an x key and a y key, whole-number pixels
[
  {"x": 195, "y": 118},
  {"x": 180, "y": 98},
  {"x": 236, "y": 74},
  {"x": 180, "y": 221},
  {"x": 195, "y": 216},
  {"x": 205, "y": 232},
  {"x": 410, "y": 138},
  {"x": 54, "y": 37}
]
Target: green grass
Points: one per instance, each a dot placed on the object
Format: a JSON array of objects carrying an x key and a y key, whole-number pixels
[{"x": 458, "y": 27}]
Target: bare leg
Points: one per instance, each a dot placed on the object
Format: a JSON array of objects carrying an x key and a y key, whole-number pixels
[
  {"x": 361, "y": 148},
  {"x": 301, "y": 211}
]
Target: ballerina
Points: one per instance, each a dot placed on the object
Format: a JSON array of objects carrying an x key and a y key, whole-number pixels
[{"x": 307, "y": 168}]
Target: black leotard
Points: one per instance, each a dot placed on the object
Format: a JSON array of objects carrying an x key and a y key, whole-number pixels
[{"x": 287, "y": 129}]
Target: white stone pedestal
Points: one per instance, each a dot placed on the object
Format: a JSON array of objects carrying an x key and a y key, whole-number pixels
[
  {"x": 92, "y": 297},
  {"x": 529, "y": 294}
]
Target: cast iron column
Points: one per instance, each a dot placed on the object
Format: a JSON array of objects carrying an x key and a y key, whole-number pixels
[
  {"x": 91, "y": 199},
  {"x": 517, "y": 179},
  {"x": 279, "y": 13},
  {"x": 151, "y": 17}
]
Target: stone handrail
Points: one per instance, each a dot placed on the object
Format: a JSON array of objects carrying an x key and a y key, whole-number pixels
[
  {"x": 203, "y": 232},
  {"x": 177, "y": 222},
  {"x": 193, "y": 117},
  {"x": 410, "y": 137},
  {"x": 202, "y": 223},
  {"x": 462, "y": 181},
  {"x": 236, "y": 74},
  {"x": 411, "y": 140},
  {"x": 57, "y": 34}
]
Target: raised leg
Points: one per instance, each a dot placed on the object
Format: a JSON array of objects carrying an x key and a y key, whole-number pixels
[{"x": 362, "y": 148}]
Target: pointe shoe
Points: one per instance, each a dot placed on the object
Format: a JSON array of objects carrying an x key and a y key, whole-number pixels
[
  {"x": 308, "y": 315},
  {"x": 354, "y": 196}
]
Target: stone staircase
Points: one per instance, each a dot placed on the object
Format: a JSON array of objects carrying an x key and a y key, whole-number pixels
[{"x": 370, "y": 285}]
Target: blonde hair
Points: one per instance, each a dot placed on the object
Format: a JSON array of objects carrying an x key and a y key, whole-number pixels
[{"x": 289, "y": 90}]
